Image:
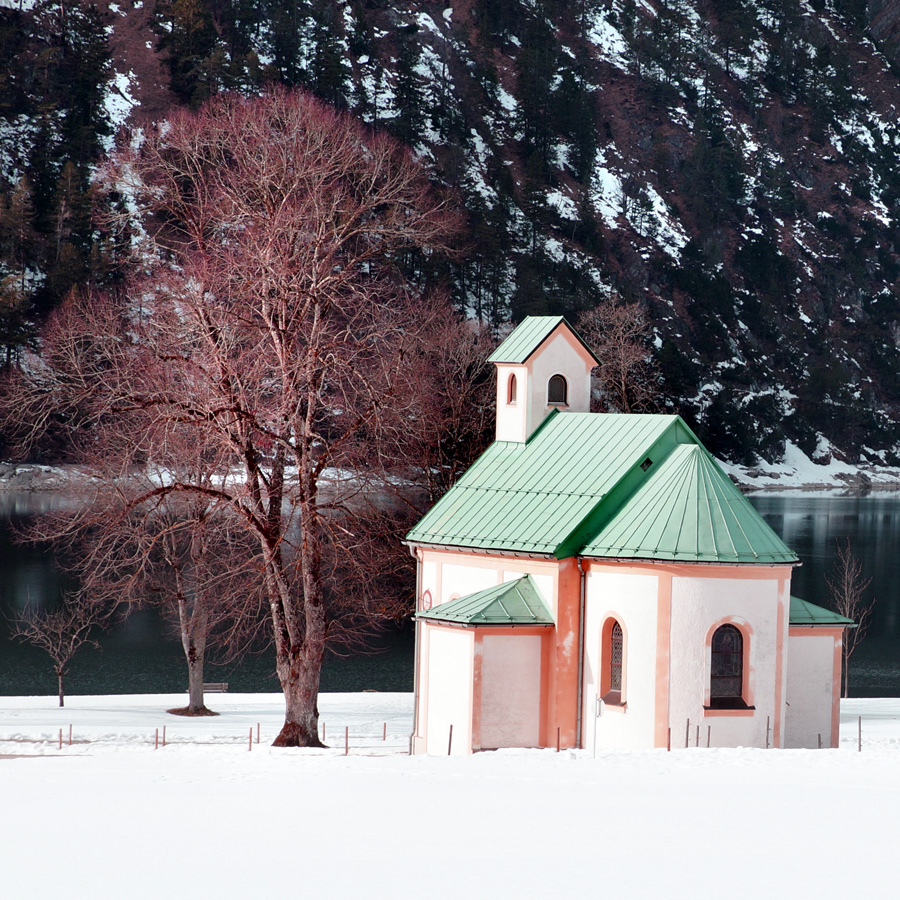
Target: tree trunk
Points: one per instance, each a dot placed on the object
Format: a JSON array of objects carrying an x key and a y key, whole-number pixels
[
  {"x": 62, "y": 693},
  {"x": 194, "y": 656},
  {"x": 299, "y": 678}
]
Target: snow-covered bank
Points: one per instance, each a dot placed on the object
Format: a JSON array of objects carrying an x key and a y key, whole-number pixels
[
  {"x": 798, "y": 472},
  {"x": 207, "y": 817}
]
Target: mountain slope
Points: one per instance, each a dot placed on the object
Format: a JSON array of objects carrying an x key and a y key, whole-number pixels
[{"x": 733, "y": 165}]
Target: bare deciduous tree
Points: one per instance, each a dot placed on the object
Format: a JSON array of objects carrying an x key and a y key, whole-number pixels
[
  {"x": 848, "y": 586},
  {"x": 626, "y": 379},
  {"x": 61, "y": 633},
  {"x": 277, "y": 329}
]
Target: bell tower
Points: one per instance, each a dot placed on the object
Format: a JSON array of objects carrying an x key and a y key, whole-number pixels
[{"x": 543, "y": 365}]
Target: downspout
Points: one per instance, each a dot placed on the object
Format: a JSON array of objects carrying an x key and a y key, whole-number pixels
[
  {"x": 415, "y": 553},
  {"x": 581, "y": 603}
]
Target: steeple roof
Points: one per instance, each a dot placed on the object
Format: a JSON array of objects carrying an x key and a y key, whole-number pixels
[{"x": 528, "y": 337}]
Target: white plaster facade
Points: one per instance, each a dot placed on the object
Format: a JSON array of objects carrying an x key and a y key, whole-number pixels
[
  {"x": 813, "y": 713},
  {"x": 632, "y": 600}
]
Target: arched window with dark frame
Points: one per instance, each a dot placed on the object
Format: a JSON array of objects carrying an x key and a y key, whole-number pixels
[
  {"x": 557, "y": 391},
  {"x": 726, "y": 680},
  {"x": 511, "y": 388},
  {"x": 612, "y": 676}
]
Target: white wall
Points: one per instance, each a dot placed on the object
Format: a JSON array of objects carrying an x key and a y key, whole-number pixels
[
  {"x": 449, "y": 690},
  {"x": 511, "y": 417},
  {"x": 510, "y": 691},
  {"x": 448, "y": 575},
  {"x": 558, "y": 356},
  {"x": 810, "y": 688},
  {"x": 632, "y": 599},
  {"x": 698, "y": 604},
  {"x": 461, "y": 580}
]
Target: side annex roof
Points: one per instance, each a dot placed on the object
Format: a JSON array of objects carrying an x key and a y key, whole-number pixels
[{"x": 509, "y": 604}]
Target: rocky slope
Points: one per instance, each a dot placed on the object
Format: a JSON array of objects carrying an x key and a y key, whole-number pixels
[{"x": 734, "y": 165}]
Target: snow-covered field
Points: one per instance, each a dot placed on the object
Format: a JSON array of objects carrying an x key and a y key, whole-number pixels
[{"x": 212, "y": 816}]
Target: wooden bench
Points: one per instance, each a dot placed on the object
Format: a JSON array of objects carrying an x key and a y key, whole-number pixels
[{"x": 215, "y": 687}]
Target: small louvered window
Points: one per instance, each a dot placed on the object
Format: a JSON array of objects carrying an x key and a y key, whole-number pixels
[
  {"x": 557, "y": 391},
  {"x": 511, "y": 390}
]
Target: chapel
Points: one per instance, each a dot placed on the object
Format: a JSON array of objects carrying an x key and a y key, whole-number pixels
[{"x": 597, "y": 581}]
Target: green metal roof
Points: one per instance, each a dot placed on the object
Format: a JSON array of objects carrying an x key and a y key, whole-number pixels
[
  {"x": 513, "y": 603},
  {"x": 528, "y": 336},
  {"x": 690, "y": 511},
  {"x": 580, "y": 483},
  {"x": 805, "y": 613}
]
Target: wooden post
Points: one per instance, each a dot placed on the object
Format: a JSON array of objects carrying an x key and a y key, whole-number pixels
[
  {"x": 156, "y": 740},
  {"x": 820, "y": 741},
  {"x": 687, "y": 734},
  {"x": 697, "y": 741},
  {"x": 250, "y": 740},
  {"x": 767, "y": 731},
  {"x": 557, "y": 739},
  {"x": 669, "y": 739},
  {"x": 450, "y": 741},
  {"x": 346, "y": 740},
  {"x": 708, "y": 730},
  {"x": 60, "y": 738},
  {"x": 384, "y": 733},
  {"x": 860, "y": 734},
  {"x": 70, "y": 735},
  {"x": 257, "y": 732}
]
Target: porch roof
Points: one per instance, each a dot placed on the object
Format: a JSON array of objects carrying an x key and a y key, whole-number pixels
[{"x": 512, "y": 603}]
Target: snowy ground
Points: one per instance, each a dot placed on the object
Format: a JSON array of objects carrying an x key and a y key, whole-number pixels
[{"x": 206, "y": 816}]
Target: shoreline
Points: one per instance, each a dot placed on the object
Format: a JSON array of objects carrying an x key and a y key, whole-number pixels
[{"x": 794, "y": 474}]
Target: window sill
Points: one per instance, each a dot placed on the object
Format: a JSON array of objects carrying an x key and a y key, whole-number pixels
[
  {"x": 709, "y": 711},
  {"x": 613, "y": 702},
  {"x": 557, "y": 405}
]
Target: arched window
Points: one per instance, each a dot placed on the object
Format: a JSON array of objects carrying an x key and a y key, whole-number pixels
[
  {"x": 726, "y": 680},
  {"x": 612, "y": 676},
  {"x": 557, "y": 391},
  {"x": 511, "y": 389}
]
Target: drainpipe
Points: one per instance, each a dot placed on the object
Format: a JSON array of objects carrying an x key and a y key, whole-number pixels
[
  {"x": 414, "y": 551},
  {"x": 581, "y": 604}
]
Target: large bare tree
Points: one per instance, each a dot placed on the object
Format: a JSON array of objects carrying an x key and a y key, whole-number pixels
[{"x": 275, "y": 323}]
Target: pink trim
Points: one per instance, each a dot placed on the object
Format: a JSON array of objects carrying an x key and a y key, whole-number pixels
[
  {"x": 477, "y": 661},
  {"x": 836, "y": 691},
  {"x": 692, "y": 570},
  {"x": 663, "y": 650},
  {"x": 731, "y": 713},
  {"x": 779, "y": 667}
]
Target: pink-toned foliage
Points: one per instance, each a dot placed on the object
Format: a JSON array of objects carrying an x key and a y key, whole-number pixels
[{"x": 274, "y": 331}]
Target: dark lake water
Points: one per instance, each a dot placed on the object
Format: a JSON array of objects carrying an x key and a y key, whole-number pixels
[{"x": 143, "y": 656}]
